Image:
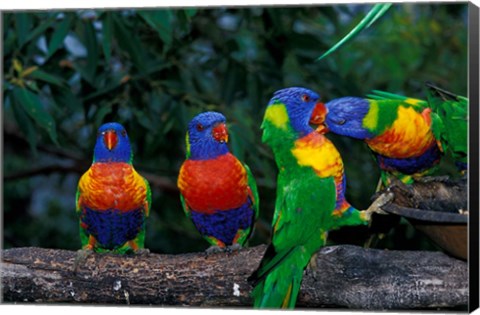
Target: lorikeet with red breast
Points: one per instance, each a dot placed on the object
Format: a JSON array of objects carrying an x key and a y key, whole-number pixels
[
  {"x": 218, "y": 192},
  {"x": 113, "y": 200},
  {"x": 310, "y": 198}
]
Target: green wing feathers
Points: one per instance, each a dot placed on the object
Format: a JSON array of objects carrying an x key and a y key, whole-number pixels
[
  {"x": 253, "y": 187},
  {"x": 451, "y": 122}
]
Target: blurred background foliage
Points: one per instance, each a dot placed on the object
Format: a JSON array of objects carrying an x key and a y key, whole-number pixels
[{"x": 65, "y": 73}]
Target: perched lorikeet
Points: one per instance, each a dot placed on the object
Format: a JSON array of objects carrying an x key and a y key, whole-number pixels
[
  {"x": 218, "y": 192},
  {"x": 310, "y": 198},
  {"x": 113, "y": 200},
  {"x": 397, "y": 130}
]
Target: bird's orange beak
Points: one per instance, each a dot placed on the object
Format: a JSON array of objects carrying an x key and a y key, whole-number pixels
[
  {"x": 318, "y": 117},
  {"x": 110, "y": 139},
  {"x": 319, "y": 113},
  {"x": 220, "y": 133}
]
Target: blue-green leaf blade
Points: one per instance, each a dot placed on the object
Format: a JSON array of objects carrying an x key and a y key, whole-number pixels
[
  {"x": 160, "y": 20},
  {"x": 31, "y": 103},
  {"x": 376, "y": 12},
  {"x": 47, "y": 77},
  {"x": 61, "y": 31},
  {"x": 107, "y": 29}
]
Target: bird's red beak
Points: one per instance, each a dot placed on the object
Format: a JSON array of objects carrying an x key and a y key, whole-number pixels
[
  {"x": 220, "y": 133},
  {"x": 318, "y": 117},
  {"x": 110, "y": 139}
]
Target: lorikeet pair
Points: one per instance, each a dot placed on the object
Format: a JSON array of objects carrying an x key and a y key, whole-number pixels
[
  {"x": 406, "y": 137},
  {"x": 310, "y": 197},
  {"x": 218, "y": 192}
]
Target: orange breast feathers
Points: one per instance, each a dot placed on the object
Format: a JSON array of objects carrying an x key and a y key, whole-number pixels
[
  {"x": 112, "y": 186},
  {"x": 409, "y": 136},
  {"x": 316, "y": 151},
  {"x": 215, "y": 184}
]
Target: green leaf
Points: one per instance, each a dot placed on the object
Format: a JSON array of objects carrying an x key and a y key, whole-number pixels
[
  {"x": 32, "y": 105},
  {"x": 101, "y": 113},
  {"x": 129, "y": 42},
  {"x": 161, "y": 21},
  {"x": 190, "y": 12},
  {"x": 46, "y": 77},
  {"x": 65, "y": 97},
  {"x": 39, "y": 30},
  {"x": 61, "y": 31},
  {"x": 23, "y": 24},
  {"x": 107, "y": 29},
  {"x": 25, "y": 124},
  {"x": 375, "y": 13},
  {"x": 92, "y": 50}
]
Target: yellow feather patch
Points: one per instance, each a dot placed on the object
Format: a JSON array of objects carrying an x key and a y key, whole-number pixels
[
  {"x": 409, "y": 136},
  {"x": 277, "y": 115},
  {"x": 371, "y": 119},
  {"x": 286, "y": 300},
  {"x": 187, "y": 141},
  {"x": 320, "y": 154},
  {"x": 413, "y": 101}
]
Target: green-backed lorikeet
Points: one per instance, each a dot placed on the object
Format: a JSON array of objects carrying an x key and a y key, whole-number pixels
[
  {"x": 397, "y": 130},
  {"x": 113, "y": 200},
  {"x": 310, "y": 197},
  {"x": 218, "y": 192}
]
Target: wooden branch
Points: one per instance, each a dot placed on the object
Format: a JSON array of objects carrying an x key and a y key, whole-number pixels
[{"x": 346, "y": 276}]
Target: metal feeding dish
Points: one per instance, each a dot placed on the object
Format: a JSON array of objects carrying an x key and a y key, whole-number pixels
[{"x": 438, "y": 208}]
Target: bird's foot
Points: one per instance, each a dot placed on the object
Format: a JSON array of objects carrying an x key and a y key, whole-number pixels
[
  {"x": 233, "y": 248},
  {"x": 214, "y": 250},
  {"x": 81, "y": 258},
  {"x": 430, "y": 179},
  {"x": 142, "y": 252},
  {"x": 312, "y": 267},
  {"x": 375, "y": 207}
]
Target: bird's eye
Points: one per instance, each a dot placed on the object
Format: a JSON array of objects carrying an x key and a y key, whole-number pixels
[
  {"x": 341, "y": 121},
  {"x": 124, "y": 132},
  {"x": 200, "y": 127},
  {"x": 305, "y": 98}
]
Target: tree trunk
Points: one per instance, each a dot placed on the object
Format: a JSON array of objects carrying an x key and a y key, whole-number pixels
[{"x": 346, "y": 276}]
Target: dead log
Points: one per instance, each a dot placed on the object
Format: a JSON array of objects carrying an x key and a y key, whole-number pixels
[{"x": 347, "y": 277}]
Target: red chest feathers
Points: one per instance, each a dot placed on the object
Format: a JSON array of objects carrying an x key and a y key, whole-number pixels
[{"x": 217, "y": 184}]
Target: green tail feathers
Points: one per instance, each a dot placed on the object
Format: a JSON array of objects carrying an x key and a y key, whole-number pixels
[{"x": 277, "y": 281}]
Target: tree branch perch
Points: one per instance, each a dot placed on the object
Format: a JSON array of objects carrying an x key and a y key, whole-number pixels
[{"x": 346, "y": 276}]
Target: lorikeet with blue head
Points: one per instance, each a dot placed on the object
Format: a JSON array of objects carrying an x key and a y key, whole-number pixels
[
  {"x": 397, "y": 130},
  {"x": 113, "y": 200},
  {"x": 218, "y": 193},
  {"x": 310, "y": 198}
]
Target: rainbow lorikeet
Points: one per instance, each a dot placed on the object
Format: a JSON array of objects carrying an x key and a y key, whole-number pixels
[
  {"x": 397, "y": 130},
  {"x": 113, "y": 200},
  {"x": 218, "y": 192},
  {"x": 310, "y": 198}
]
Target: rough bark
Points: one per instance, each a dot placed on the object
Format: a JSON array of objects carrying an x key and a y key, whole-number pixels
[{"x": 346, "y": 276}]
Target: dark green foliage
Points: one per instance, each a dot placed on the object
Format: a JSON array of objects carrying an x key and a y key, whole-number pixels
[{"x": 65, "y": 73}]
